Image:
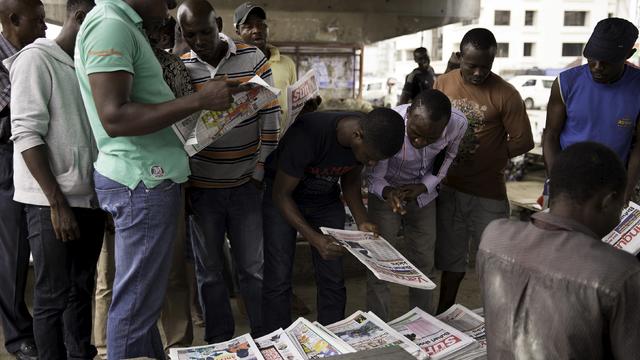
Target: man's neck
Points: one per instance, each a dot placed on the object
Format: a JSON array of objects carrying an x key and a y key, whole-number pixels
[
  {"x": 67, "y": 40},
  {"x": 344, "y": 130},
  {"x": 13, "y": 40},
  {"x": 266, "y": 51},
  {"x": 219, "y": 54}
]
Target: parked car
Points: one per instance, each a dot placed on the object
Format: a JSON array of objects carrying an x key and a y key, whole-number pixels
[
  {"x": 534, "y": 89},
  {"x": 381, "y": 92}
]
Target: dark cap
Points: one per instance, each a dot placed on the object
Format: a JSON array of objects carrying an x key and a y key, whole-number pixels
[
  {"x": 243, "y": 11},
  {"x": 611, "y": 40}
]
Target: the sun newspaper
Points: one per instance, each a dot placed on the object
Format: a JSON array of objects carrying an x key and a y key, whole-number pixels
[
  {"x": 204, "y": 128},
  {"x": 314, "y": 342},
  {"x": 437, "y": 339},
  {"x": 467, "y": 321},
  {"x": 365, "y": 331},
  {"x": 278, "y": 346},
  {"x": 626, "y": 236},
  {"x": 384, "y": 261},
  {"x": 303, "y": 90},
  {"x": 239, "y": 348}
]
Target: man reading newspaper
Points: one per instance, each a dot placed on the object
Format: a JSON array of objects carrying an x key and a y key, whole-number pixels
[{"x": 551, "y": 288}]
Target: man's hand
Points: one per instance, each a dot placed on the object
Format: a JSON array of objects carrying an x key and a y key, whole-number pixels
[
  {"x": 217, "y": 95},
  {"x": 327, "y": 246},
  {"x": 311, "y": 105},
  {"x": 64, "y": 223},
  {"x": 412, "y": 191},
  {"x": 395, "y": 198},
  {"x": 369, "y": 227}
]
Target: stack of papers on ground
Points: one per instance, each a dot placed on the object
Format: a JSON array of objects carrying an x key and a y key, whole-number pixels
[
  {"x": 470, "y": 323},
  {"x": 439, "y": 340},
  {"x": 314, "y": 342},
  {"x": 278, "y": 346},
  {"x": 241, "y": 347},
  {"x": 626, "y": 236}
]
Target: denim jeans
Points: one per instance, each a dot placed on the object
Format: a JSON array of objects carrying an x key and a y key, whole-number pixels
[
  {"x": 14, "y": 259},
  {"x": 64, "y": 283},
  {"x": 146, "y": 225},
  {"x": 236, "y": 212},
  {"x": 279, "y": 254}
]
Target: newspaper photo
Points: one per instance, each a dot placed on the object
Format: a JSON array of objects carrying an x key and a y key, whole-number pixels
[
  {"x": 437, "y": 339},
  {"x": 241, "y": 347},
  {"x": 466, "y": 321},
  {"x": 626, "y": 236},
  {"x": 278, "y": 346},
  {"x": 384, "y": 261},
  {"x": 314, "y": 342},
  {"x": 203, "y": 129},
  {"x": 365, "y": 331},
  {"x": 303, "y": 90}
]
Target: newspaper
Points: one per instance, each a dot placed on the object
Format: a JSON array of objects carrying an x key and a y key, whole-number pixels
[
  {"x": 241, "y": 347},
  {"x": 466, "y": 321},
  {"x": 437, "y": 339},
  {"x": 203, "y": 129},
  {"x": 381, "y": 258},
  {"x": 626, "y": 236},
  {"x": 303, "y": 90},
  {"x": 314, "y": 342},
  {"x": 365, "y": 331},
  {"x": 278, "y": 346}
]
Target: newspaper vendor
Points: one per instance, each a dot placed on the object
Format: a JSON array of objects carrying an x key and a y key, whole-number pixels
[
  {"x": 551, "y": 288},
  {"x": 302, "y": 194},
  {"x": 226, "y": 194},
  {"x": 403, "y": 189}
]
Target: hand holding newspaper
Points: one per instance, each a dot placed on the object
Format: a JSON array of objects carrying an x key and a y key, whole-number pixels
[
  {"x": 384, "y": 261},
  {"x": 626, "y": 236},
  {"x": 241, "y": 347},
  {"x": 204, "y": 128}
]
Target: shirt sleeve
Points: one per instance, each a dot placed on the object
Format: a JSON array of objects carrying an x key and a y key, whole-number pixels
[
  {"x": 516, "y": 123},
  {"x": 296, "y": 152},
  {"x": 269, "y": 119},
  {"x": 31, "y": 90},
  {"x": 624, "y": 332},
  {"x": 108, "y": 53},
  {"x": 376, "y": 178}
]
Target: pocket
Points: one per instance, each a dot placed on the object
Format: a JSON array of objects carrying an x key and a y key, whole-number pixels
[
  {"x": 105, "y": 185},
  {"x": 73, "y": 170}
]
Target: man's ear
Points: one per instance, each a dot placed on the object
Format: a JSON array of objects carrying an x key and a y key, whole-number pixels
[
  {"x": 219, "y": 23},
  {"x": 609, "y": 200},
  {"x": 633, "y": 51},
  {"x": 79, "y": 16},
  {"x": 15, "y": 19}
]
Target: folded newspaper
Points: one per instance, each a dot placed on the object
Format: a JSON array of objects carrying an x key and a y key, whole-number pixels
[
  {"x": 278, "y": 346},
  {"x": 314, "y": 342},
  {"x": 384, "y": 261},
  {"x": 366, "y": 331},
  {"x": 437, "y": 339},
  {"x": 626, "y": 236},
  {"x": 241, "y": 347},
  {"x": 303, "y": 90},
  {"x": 204, "y": 128},
  {"x": 468, "y": 322}
]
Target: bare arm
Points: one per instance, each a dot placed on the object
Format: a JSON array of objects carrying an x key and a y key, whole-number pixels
[
  {"x": 556, "y": 118},
  {"x": 633, "y": 172},
  {"x": 352, "y": 193}
]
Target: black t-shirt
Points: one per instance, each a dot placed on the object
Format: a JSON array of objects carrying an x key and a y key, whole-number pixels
[
  {"x": 310, "y": 151},
  {"x": 417, "y": 81}
]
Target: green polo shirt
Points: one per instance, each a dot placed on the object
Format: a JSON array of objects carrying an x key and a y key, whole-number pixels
[{"x": 112, "y": 39}]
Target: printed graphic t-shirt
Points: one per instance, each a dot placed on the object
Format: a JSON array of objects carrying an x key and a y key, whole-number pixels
[{"x": 310, "y": 151}]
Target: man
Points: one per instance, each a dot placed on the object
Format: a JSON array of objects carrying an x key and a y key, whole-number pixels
[
  {"x": 140, "y": 163},
  {"x": 175, "y": 317},
  {"x": 474, "y": 191},
  {"x": 551, "y": 288},
  {"x": 599, "y": 101},
  {"x": 420, "y": 79},
  {"x": 22, "y": 23},
  {"x": 302, "y": 194},
  {"x": 53, "y": 163},
  {"x": 226, "y": 180},
  {"x": 403, "y": 190}
]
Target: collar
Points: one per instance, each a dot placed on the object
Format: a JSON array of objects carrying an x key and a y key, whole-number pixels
[
  {"x": 126, "y": 9},
  {"x": 6, "y": 48},
  {"x": 231, "y": 50},
  {"x": 275, "y": 53},
  {"x": 562, "y": 223}
]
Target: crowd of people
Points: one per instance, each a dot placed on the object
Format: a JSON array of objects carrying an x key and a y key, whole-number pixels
[{"x": 95, "y": 184}]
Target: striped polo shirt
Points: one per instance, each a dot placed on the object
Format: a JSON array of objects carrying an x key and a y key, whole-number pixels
[{"x": 240, "y": 154}]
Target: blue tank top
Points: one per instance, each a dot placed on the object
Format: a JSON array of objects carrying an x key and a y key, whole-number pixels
[{"x": 604, "y": 113}]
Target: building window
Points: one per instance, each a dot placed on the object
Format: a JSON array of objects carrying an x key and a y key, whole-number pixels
[
  {"x": 502, "y": 17},
  {"x": 529, "y": 18},
  {"x": 572, "y": 49},
  {"x": 575, "y": 18},
  {"x": 503, "y": 50},
  {"x": 528, "y": 49},
  {"x": 399, "y": 55}
]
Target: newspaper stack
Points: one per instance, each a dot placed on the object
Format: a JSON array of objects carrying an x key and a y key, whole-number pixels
[
  {"x": 439, "y": 340},
  {"x": 313, "y": 342},
  {"x": 277, "y": 346},
  {"x": 241, "y": 347},
  {"x": 626, "y": 236},
  {"x": 469, "y": 323},
  {"x": 384, "y": 261},
  {"x": 365, "y": 331}
]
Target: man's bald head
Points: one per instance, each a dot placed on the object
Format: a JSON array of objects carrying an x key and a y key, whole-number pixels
[
  {"x": 190, "y": 9},
  {"x": 22, "y": 21}
]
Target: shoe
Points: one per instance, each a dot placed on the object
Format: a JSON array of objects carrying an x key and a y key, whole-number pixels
[{"x": 27, "y": 351}]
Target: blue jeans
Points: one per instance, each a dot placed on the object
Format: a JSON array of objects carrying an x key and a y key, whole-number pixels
[
  {"x": 236, "y": 212},
  {"x": 279, "y": 254},
  {"x": 146, "y": 222}
]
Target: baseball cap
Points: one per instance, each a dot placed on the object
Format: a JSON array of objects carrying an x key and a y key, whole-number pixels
[
  {"x": 611, "y": 40},
  {"x": 242, "y": 12}
]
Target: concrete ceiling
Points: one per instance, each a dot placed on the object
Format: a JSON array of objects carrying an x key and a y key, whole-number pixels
[{"x": 343, "y": 21}]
